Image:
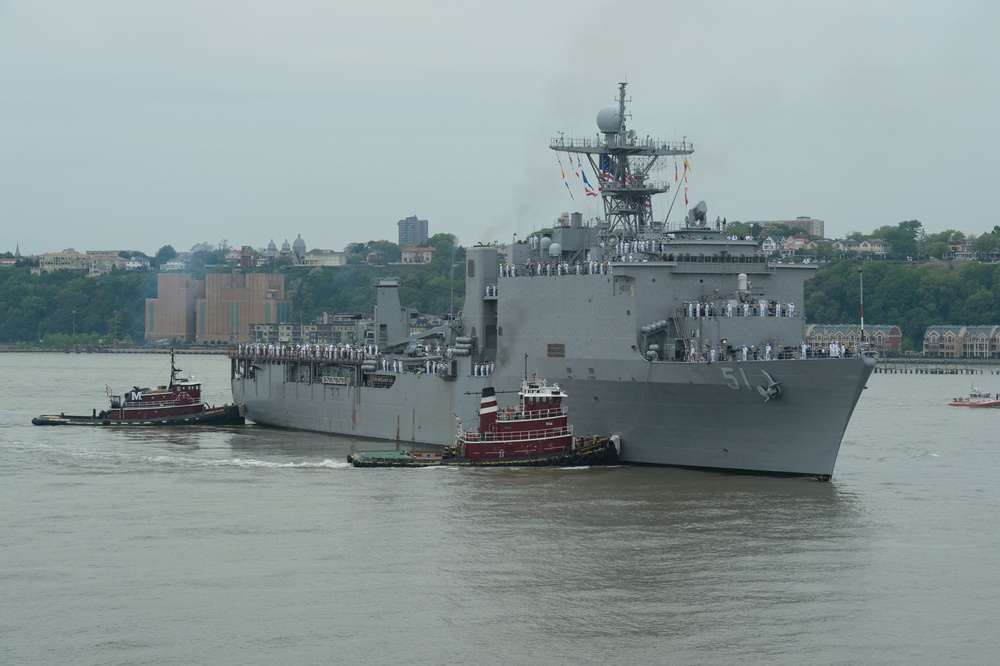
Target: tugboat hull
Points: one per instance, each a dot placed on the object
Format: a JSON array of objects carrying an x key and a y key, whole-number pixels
[
  {"x": 600, "y": 451},
  {"x": 225, "y": 415}
]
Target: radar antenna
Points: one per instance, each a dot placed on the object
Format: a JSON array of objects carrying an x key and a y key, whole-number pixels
[{"x": 624, "y": 163}]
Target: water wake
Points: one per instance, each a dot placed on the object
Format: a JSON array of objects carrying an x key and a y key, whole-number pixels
[{"x": 117, "y": 460}]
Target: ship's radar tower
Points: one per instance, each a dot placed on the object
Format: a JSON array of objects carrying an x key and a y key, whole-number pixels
[{"x": 624, "y": 162}]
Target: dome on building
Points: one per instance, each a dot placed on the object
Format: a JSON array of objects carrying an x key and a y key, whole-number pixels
[
  {"x": 271, "y": 247},
  {"x": 299, "y": 247},
  {"x": 285, "y": 247}
]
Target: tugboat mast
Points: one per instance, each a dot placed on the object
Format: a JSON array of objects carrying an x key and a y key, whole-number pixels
[{"x": 624, "y": 163}]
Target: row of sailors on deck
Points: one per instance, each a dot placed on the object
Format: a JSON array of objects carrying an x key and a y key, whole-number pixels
[
  {"x": 764, "y": 308},
  {"x": 765, "y": 353},
  {"x": 338, "y": 352},
  {"x": 558, "y": 268},
  {"x": 344, "y": 352},
  {"x": 356, "y": 353},
  {"x": 710, "y": 354},
  {"x": 435, "y": 367},
  {"x": 650, "y": 245}
]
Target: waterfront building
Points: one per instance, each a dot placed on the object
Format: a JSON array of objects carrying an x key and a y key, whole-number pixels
[
  {"x": 954, "y": 341},
  {"x": 882, "y": 338}
]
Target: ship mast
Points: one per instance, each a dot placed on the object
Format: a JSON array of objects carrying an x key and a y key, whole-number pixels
[{"x": 624, "y": 164}]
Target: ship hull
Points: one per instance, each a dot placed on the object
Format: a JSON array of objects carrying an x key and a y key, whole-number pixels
[{"x": 706, "y": 415}]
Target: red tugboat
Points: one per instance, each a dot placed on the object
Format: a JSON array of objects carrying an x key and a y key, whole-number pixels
[
  {"x": 536, "y": 433},
  {"x": 178, "y": 403}
]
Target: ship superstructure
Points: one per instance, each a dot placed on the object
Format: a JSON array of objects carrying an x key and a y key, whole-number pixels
[{"x": 686, "y": 342}]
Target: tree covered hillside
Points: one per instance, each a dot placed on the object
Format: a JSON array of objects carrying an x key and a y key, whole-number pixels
[
  {"x": 55, "y": 305},
  {"x": 911, "y": 295}
]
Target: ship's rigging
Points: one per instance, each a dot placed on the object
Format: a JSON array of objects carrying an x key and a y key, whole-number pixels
[{"x": 624, "y": 165}]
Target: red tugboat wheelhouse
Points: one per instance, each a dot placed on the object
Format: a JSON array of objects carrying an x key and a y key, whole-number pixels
[
  {"x": 178, "y": 403},
  {"x": 535, "y": 433}
]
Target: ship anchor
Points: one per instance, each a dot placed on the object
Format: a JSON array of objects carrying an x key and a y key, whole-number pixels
[{"x": 773, "y": 389}]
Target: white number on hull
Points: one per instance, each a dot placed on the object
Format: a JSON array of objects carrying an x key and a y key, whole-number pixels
[{"x": 732, "y": 381}]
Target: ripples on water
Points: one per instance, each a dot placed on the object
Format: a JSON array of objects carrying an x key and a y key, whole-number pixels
[{"x": 249, "y": 545}]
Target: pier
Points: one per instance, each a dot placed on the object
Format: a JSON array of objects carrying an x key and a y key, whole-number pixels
[{"x": 924, "y": 366}]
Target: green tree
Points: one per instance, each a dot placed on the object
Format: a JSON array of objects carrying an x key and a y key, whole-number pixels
[
  {"x": 163, "y": 255},
  {"x": 902, "y": 238},
  {"x": 737, "y": 229},
  {"x": 986, "y": 245},
  {"x": 387, "y": 251}
]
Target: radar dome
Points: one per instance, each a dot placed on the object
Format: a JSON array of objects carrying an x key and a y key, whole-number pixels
[
  {"x": 544, "y": 243},
  {"x": 555, "y": 250},
  {"x": 609, "y": 120}
]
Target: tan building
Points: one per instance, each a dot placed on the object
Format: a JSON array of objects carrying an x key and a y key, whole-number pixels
[
  {"x": 219, "y": 309},
  {"x": 101, "y": 262},
  {"x": 418, "y": 255},
  {"x": 171, "y": 315},
  {"x": 59, "y": 261},
  {"x": 232, "y": 301}
]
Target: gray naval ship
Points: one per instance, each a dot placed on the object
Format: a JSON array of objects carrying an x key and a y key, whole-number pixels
[{"x": 682, "y": 339}]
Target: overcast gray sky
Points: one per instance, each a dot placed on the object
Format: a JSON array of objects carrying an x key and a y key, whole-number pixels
[{"x": 128, "y": 124}]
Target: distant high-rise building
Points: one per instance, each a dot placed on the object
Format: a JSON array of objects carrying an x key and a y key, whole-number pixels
[{"x": 412, "y": 231}]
